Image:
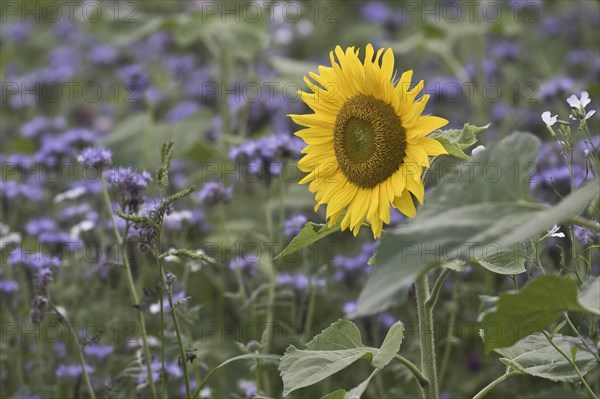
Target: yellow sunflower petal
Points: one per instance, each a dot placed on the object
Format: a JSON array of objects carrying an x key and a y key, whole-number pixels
[{"x": 406, "y": 205}]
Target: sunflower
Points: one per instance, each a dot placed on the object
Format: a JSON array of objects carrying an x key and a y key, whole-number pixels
[{"x": 366, "y": 140}]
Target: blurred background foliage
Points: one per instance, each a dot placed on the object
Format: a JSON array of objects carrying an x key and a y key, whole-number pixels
[{"x": 220, "y": 79}]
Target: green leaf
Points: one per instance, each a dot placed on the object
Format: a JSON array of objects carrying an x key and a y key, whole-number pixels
[
  {"x": 354, "y": 393},
  {"x": 127, "y": 129},
  {"x": 501, "y": 261},
  {"x": 310, "y": 233},
  {"x": 391, "y": 346},
  {"x": 334, "y": 349},
  {"x": 520, "y": 313},
  {"x": 342, "y": 334},
  {"x": 455, "y": 141},
  {"x": 483, "y": 210},
  {"x": 249, "y": 356},
  {"x": 535, "y": 356},
  {"x": 589, "y": 297}
]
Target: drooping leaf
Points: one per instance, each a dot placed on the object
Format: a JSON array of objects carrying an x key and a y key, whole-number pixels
[
  {"x": 487, "y": 210},
  {"x": 535, "y": 356},
  {"x": 517, "y": 314},
  {"x": 310, "y": 233},
  {"x": 391, "y": 346}
]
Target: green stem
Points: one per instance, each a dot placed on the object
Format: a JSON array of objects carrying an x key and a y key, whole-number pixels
[
  {"x": 86, "y": 376},
  {"x": 435, "y": 292},
  {"x": 585, "y": 223},
  {"x": 162, "y": 348},
  {"x": 426, "y": 335},
  {"x": 421, "y": 379},
  {"x": 583, "y": 381},
  {"x": 450, "y": 338},
  {"x": 130, "y": 284},
  {"x": 163, "y": 279},
  {"x": 268, "y": 337},
  {"x": 494, "y": 383}
]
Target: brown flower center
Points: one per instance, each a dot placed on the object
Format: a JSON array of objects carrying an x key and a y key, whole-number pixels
[{"x": 369, "y": 140}]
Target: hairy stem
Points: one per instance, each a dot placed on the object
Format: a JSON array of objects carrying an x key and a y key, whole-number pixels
[
  {"x": 130, "y": 284},
  {"x": 426, "y": 335}
]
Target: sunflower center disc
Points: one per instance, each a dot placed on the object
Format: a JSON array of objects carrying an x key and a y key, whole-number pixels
[{"x": 369, "y": 140}]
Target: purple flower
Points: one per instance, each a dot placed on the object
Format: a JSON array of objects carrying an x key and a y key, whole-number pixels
[
  {"x": 244, "y": 263},
  {"x": 300, "y": 282},
  {"x": 293, "y": 225},
  {"x": 264, "y": 155},
  {"x": 170, "y": 278},
  {"x": 30, "y": 191},
  {"x": 40, "y": 225},
  {"x": 98, "y": 157},
  {"x": 75, "y": 213},
  {"x": 505, "y": 51},
  {"x": 180, "y": 66},
  {"x": 444, "y": 89},
  {"x": 135, "y": 78},
  {"x": 182, "y": 110},
  {"x": 213, "y": 193},
  {"x": 41, "y": 126},
  {"x": 349, "y": 268},
  {"x": 103, "y": 54},
  {"x": 71, "y": 371},
  {"x": 387, "y": 320},
  {"x": 349, "y": 307},
  {"x": 552, "y": 179},
  {"x": 377, "y": 12},
  {"x": 19, "y": 31},
  {"x": 131, "y": 185},
  {"x": 32, "y": 260},
  {"x": 587, "y": 236},
  {"x": 98, "y": 351},
  {"x": 557, "y": 87},
  {"x": 8, "y": 286}
]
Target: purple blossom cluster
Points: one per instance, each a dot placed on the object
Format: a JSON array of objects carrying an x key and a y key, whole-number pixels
[
  {"x": 267, "y": 156},
  {"x": 551, "y": 180}
]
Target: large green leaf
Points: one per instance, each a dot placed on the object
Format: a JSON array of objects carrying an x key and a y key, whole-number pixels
[
  {"x": 484, "y": 211},
  {"x": 517, "y": 314},
  {"x": 334, "y": 349},
  {"x": 535, "y": 356},
  {"x": 310, "y": 233},
  {"x": 455, "y": 141}
]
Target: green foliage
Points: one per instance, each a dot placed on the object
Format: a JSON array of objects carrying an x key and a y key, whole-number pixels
[
  {"x": 475, "y": 216},
  {"x": 310, "y": 233},
  {"x": 534, "y": 356},
  {"x": 518, "y": 314},
  {"x": 455, "y": 141},
  {"x": 334, "y": 349}
]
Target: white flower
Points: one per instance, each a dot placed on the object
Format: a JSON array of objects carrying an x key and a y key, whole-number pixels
[
  {"x": 12, "y": 238},
  {"x": 581, "y": 102},
  {"x": 71, "y": 194},
  {"x": 589, "y": 114},
  {"x": 478, "y": 149},
  {"x": 553, "y": 232},
  {"x": 548, "y": 119}
]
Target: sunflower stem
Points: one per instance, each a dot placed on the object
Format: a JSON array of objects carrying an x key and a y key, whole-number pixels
[{"x": 426, "y": 336}]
